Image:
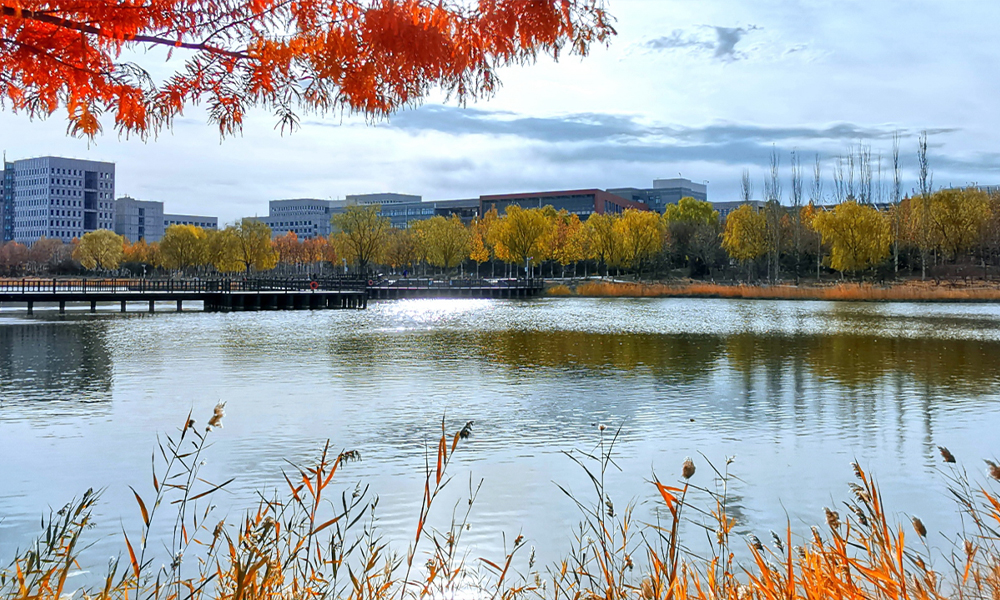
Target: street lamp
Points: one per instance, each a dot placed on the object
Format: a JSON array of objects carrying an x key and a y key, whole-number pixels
[
  {"x": 527, "y": 261},
  {"x": 345, "y": 265}
]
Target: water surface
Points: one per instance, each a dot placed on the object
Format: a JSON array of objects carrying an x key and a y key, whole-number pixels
[{"x": 795, "y": 391}]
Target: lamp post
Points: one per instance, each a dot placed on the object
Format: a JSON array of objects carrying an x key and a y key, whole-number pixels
[
  {"x": 345, "y": 265},
  {"x": 527, "y": 261}
]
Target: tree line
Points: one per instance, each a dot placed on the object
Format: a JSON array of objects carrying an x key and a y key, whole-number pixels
[{"x": 944, "y": 232}]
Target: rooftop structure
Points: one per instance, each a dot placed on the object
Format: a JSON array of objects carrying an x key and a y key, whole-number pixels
[
  {"x": 664, "y": 192},
  {"x": 382, "y": 199}
]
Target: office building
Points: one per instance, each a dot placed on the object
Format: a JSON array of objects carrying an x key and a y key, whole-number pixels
[
  {"x": 7, "y": 203},
  {"x": 196, "y": 220},
  {"x": 61, "y": 198},
  {"x": 403, "y": 213},
  {"x": 582, "y": 203},
  {"x": 139, "y": 219},
  {"x": 305, "y": 217},
  {"x": 145, "y": 220},
  {"x": 664, "y": 192}
]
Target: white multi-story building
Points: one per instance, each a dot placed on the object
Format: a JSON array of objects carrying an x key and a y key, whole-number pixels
[{"x": 61, "y": 198}]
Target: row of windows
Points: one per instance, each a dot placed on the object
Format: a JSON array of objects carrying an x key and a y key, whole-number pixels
[
  {"x": 296, "y": 224},
  {"x": 202, "y": 224}
]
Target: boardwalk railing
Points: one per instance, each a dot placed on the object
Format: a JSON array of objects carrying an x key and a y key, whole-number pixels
[{"x": 160, "y": 286}]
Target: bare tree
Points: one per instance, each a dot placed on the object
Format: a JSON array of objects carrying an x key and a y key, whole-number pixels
[
  {"x": 773, "y": 211},
  {"x": 879, "y": 193},
  {"x": 864, "y": 160},
  {"x": 926, "y": 181},
  {"x": 816, "y": 198},
  {"x": 851, "y": 195},
  {"x": 897, "y": 186},
  {"x": 796, "y": 197},
  {"x": 839, "y": 183},
  {"x": 746, "y": 191}
]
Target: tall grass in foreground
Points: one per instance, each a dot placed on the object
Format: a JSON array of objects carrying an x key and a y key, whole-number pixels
[
  {"x": 311, "y": 544},
  {"x": 841, "y": 291}
]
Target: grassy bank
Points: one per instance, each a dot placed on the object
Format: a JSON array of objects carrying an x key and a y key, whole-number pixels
[
  {"x": 902, "y": 292},
  {"x": 311, "y": 543}
]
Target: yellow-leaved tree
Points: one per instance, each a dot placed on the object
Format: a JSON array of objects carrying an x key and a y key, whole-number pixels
[
  {"x": 520, "y": 235},
  {"x": 445, "y": 241},
  {"x": 481, "y": 238},
  {"x": 954, "y": 218},
  {"x": 859, "y": 236},
  {"x": 401, "y": 249},
  {"x": 564, "y": 240},
  {"x": 222, "y": 250},
  {"x": 253, "y": 248},
  {"x": 603, "y": 240},
  {"x": 182, "y": 247},
  {"x": 744, "y": 237},
  {"x": 101, "y": 249},
  {"x": 641, "y": 233},
  {"x": 360, "y": 234}
]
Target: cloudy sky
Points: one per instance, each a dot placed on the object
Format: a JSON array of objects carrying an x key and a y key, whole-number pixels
[{"x": 703, "y": 89}]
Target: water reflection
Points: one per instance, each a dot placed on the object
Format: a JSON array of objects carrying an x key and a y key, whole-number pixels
[
  {"x": 55, "y": 361},
  {"x": 795, "y": 390}
]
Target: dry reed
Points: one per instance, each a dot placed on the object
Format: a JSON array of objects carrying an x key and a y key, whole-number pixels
[
  {"x": 305, "y": 545},
  {"x": 912, "y": 292}
]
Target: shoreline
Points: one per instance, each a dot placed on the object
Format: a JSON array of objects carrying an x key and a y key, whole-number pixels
[{"x": 924, "y": 292}]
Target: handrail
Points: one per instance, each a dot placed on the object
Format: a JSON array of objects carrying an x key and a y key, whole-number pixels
[
  {"x": 159, "y": 286},
  {"x": 227, "y": 285}
]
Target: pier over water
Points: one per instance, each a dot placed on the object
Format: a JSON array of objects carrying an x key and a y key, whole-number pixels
[
  {"x": 239, "y": 294},
  {"x": 214, "y": 294}
]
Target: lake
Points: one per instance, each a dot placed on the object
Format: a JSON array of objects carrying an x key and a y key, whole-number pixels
[{"x": 795, "y": 391}]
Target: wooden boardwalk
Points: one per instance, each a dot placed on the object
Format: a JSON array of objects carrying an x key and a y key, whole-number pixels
[
  {"x": 214, "y": 294},
  {"x": 225, "y": 295},
  {"x": 394, "y": 289}
]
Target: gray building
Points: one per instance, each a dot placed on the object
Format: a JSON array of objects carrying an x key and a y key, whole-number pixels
[
  {"x": 664, "y": 192},
  {"x": 7, "y": 202},
  {"x": 403, "y": 213},
  {"x": 139, "y": 219},
  {"x": 306, "y": 217},
  {"x": 61, "y": 198},
  {"x": 145, "y": 219},
  {"x": 196, "y": 220}
]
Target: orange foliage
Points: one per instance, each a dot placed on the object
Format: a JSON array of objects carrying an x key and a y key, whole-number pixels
[{"x": 362, "y": 56}]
